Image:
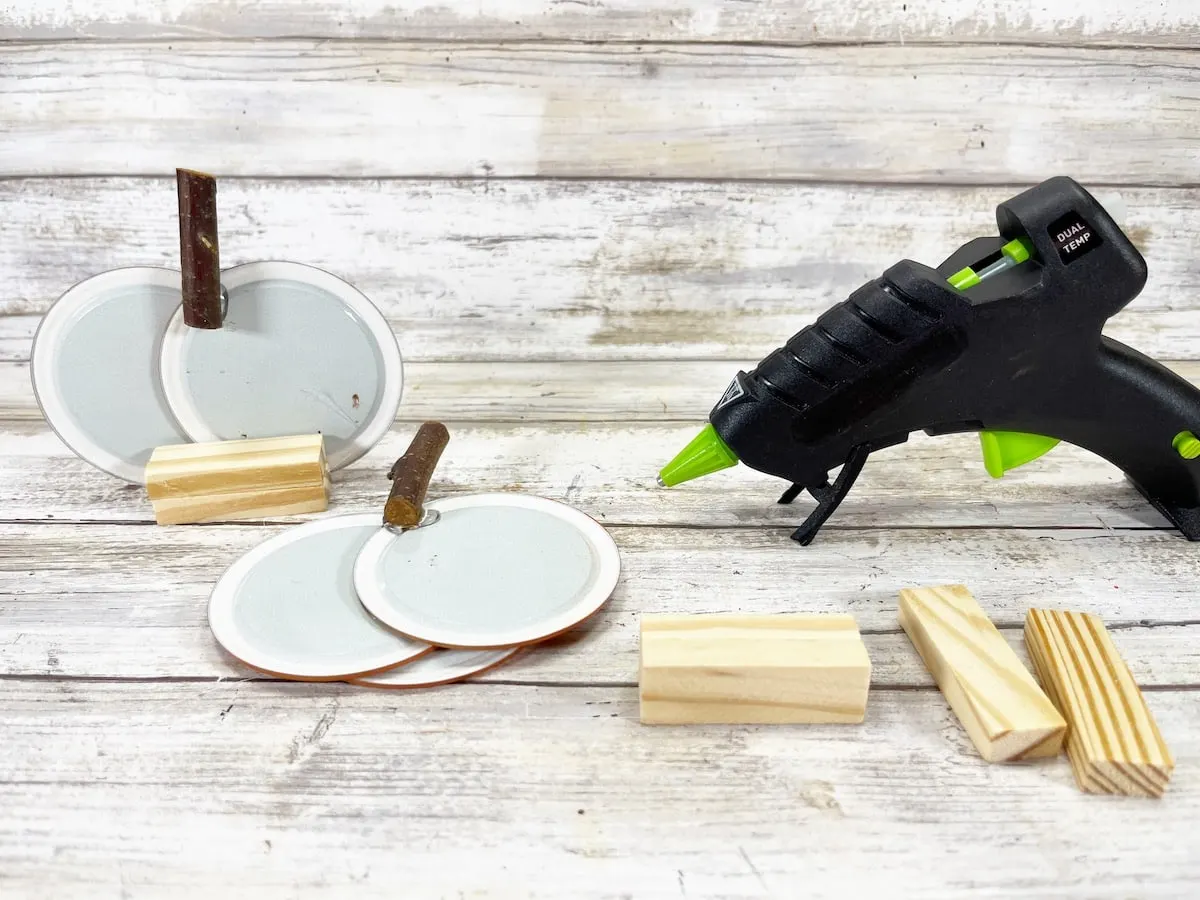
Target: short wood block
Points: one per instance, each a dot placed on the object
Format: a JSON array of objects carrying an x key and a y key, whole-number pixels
[
  {"x": 1113, "y": 743},
  {"x": 733, "y": 669},
  {"x": 997, "y": 700},
  {"x": 247, "y": 479}
]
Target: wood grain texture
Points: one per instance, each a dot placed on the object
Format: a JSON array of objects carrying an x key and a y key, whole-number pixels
[
  {"x": 250, "y": 479},
  {"x": 958, "y": 114},
  {"x": 131, "y": 600},
  {"x": 1114, "y": 744},
  {"x": 528, "y": 270},
  {"x": 1165, "y": 22},
  {"x": 648, "y": 335},
  {"x": 609, "y": 469},
  {"x": 605, "y": 394},
  {"x": 771, "y": 670},
  {"x": 241, "y": 790},
  {"x": 1001, "y": 707}
]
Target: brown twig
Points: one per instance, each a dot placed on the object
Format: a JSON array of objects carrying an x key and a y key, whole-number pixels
[
  {"x": 199, "y": 257},
  {"x": 411, "y": 473}
]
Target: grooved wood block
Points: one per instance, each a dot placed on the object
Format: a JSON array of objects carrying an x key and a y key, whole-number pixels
[
  {"x": 733, "y": 669},
  {"x": 999, "y": 703},
  {"x": 1114, "y": 743},
  {"x": 238, "y": 479}
]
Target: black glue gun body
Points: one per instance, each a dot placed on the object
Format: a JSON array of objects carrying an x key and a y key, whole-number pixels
[{"x": 1014, "y": 351}]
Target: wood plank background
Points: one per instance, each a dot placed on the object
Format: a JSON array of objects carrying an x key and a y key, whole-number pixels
[
  {"x": 292, "y": 789},
  {"x": 976, "y": 114},
  {"x": 1170, "y": 23},
  {"x": 581, "y": 218},
  {"x": 581, "y": 270}
]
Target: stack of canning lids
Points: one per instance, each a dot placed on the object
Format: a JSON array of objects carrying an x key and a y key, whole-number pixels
[
  {"x": 431, "y": 594},
  {"x": 136, "y": 358}
]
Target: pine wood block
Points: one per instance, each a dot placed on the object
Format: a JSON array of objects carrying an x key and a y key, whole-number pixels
[
  {"x": 996, "y": 699},
  {"x": 770, "y": 669},
  {"x": 247, "y": 479},
  {"x": 1113, "y": 743}
]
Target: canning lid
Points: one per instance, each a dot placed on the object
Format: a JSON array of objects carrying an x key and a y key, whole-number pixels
[
  {"x": 95, "y": 365},
  {"x": 438, "y": 667},
  {"x": 299, "y": 351},
  {"x": 288, "y": 606},
  {"x": 488, "y": 571}
]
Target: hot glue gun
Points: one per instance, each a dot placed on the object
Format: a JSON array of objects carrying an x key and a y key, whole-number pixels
[{"x": 1003, "y": 338}]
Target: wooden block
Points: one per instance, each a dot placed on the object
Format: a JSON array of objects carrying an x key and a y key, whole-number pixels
[
  {"x": 999, "y": 703},
  {"x": 732, "y": 669},
  {"x": 238, "y": 479},
  {"x": 1113, "y": 743}
]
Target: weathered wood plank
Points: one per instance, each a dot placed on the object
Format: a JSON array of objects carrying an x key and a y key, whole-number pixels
[
  {"x": 131, "y": 601},
  {"x": 1169, "y": 23},
  {"x": 608, "y": 470},
  {"x": 963, "y": 114},
  {"x": 1160, "y": 656},
  {"x": 246, "y": 790},
  {"x": 601, "y": 391},
  {"x": 610, "y": 332},
  {"x": 533, "y": 270},
  {"x": 649, "y": 334}
]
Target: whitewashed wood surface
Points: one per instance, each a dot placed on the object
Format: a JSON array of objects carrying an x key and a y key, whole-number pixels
[
  {"x": 556, "y": 270},
  {"x": 1102, "y": 22},
  {"x": 581, "y": 218},
  {"x": 962, "y": 114}
]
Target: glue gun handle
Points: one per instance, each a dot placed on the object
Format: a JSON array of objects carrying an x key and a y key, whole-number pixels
[{"x": 1137, "y": 414}]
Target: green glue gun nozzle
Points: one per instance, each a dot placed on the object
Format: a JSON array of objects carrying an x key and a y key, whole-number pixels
[{"x": 705, "y": 454}]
